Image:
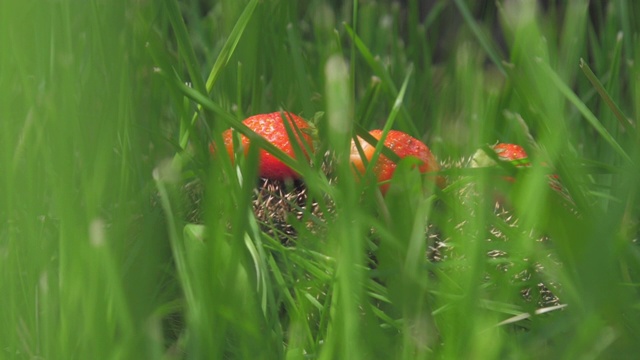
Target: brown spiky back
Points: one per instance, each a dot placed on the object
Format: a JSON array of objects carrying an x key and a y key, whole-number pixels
[
  {"x": 281, "y": 206},
  {"x": 534, "y": 289},
  {"x": 275, "y": 203}
]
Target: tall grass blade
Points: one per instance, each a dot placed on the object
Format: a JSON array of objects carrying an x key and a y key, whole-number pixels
[
  {"x": 230, "y": 44},
  {"x": 397, "y": 105},
  {"x": 591, "y": 119},
  {"x": 184, "y": 43},
  {"x": 383, "y": 74},
  {"x": 624, "y": 121},
  {"x": 191, "y": 62},
  {"x": 483, "y": 39}
]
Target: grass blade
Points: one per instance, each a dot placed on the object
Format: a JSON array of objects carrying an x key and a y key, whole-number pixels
[
  {"x": 485, "y": 42},
  {"x": 397, "y": 105},
  {"x": 624, "y": 121},
  {"x": 222, "y": 60},
  {"x": 184, "y": 43},
  {"x": 231, "y": 44},
  {"x": 383, "y": 74},
  {"x": 575, "y": 100}
]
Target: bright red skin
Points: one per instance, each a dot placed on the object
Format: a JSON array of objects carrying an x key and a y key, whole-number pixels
[
  {"x": 271, "y": 127},
  {"x": 517, "y": 155},
  {"x": 513, "y": 153},
  {"x": 403, "y": 145}
]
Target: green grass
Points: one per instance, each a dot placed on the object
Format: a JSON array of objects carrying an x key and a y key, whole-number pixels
[{"x": 107, "y": 110}]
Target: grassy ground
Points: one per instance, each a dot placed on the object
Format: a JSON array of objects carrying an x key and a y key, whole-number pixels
[{"x": 107, "y": 110}]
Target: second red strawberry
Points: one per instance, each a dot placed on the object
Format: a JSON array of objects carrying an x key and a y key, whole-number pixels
[{"x": 403, "y": 145}]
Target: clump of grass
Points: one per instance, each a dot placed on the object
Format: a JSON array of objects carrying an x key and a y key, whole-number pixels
[{"x": 108, "y": 112}]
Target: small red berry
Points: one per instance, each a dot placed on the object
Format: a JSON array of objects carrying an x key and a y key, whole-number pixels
[
  {"x": 506, "y": 152},
  {"x": 517, "y": 156},
  {"x": 512, "y": 153},
  {"x": 403, "y": 145},
  {"x": 271, "y": 127}
]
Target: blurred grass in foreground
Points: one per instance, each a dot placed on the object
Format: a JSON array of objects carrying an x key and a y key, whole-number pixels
[
  {"x": 98, "y": 260},
  {"x": 84, "y": 262}
]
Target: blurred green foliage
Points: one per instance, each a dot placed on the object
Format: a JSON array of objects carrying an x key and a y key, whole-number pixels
[{"x": 107, "y": 109}]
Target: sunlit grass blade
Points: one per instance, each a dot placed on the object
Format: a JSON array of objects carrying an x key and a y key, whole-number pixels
[
  {"x": 404, "y": 121},
  {"x": 484, "y": 41},
  {"x": 184, "y": 43},
  {"x": 571, "y": 38},
  {"x": 165, "y": 176},
  {"x": 352, "y": 51},
  {"x": 624, "y": 121},
  {"x": 588, "y": 115},
  {"x": 625, "y": 15},
  {"x": 366, "y": 106},
  {"x": 345, "y": 328},
  {"x": 615, "y": 64},
  {"x": 300, "y": 70},
  {"x": 221, "y": 61},
  {"x": 230, "y": 44},
  {"x": 397, "y": 105}
]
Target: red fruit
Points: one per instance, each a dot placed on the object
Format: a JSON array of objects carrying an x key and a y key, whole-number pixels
[
  {"x": 517, "y": 156},
  {"x": 512, "y": 153},
  {"x": 403, "y": 145},
  {"x": 271, "y": 127},
  {"x": 506, "y": 152}
]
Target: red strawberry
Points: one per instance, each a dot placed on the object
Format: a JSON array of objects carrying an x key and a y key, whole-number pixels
[
  {"x": 271, "y": 127},
  {"x": 403, "y": 145},
  {"x": 506, "y": 152},
  {"x": 512, "y": 153},
  {"x": 518, "y": 157}
]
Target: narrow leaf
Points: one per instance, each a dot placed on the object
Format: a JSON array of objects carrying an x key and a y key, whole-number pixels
[
  {"x": 485, "y": 42},
  {"x": 588, "y": 115},
  {"x": 625, "y": 122}
]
